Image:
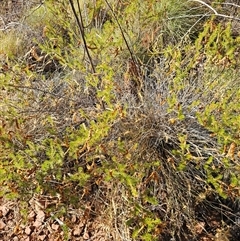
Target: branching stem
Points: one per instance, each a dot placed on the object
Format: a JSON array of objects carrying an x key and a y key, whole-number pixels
[
  {"x": 81, "y": 28},
  {"x": 214, "y": 10}
]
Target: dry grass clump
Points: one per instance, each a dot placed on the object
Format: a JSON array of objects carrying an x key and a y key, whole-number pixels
[
  {"x": 12, "y": 43},
  {"x": 19, "y": 31},
  {"x": 184, "y": 150}
]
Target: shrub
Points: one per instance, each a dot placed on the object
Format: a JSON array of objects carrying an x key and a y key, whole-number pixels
[{"x": 146, "y": 135}]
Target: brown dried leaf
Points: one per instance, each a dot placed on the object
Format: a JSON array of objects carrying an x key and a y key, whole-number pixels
[
  {"x": 221, "y": 235},
  {"x": 231, "y": 151},
  {"x": 199, "y": 227},
  {"x": 16, "y": 229}
]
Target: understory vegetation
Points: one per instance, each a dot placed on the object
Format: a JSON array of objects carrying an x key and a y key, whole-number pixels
[{"x": 126, "y": 110}]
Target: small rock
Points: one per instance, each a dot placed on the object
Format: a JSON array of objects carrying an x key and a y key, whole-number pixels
[
  {"x": 2, "y": 225},
  {"x": 55, "y": 226},
  {"x": 4, "y": 211},
  {"x": 40, "y": 216},
  {"x": 42, "y": 237},
  {"x": 85, "y": 236},
  {"x": 25, "y": 238},
  {"x": 28, "y": 230},
  {"x": 31, "y": 216},
  {"x": 74, "y": 219},
  {"x": 77, "y": 230}
]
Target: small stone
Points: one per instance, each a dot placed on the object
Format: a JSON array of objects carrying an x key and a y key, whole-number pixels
[
  {"x": 28, "y": 230},
  {"x": 85, "y": 236},
  {"x": 74, "y": 219},
  {"x": 26, "y": 239},
  {"x": 2, "y": 225},
  {"x": 4, "y": 211},
  {"x": 37, "y": 223},
  {"x": 42, "y": 237},
  {"x": 55, "y": 226},
  {"x": 77, "y": 231},
  {"x": 40, "y": 216},
  {"x": 31, "y": 216}
]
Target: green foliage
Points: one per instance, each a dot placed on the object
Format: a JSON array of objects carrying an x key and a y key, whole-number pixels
[
  {"x": 221, "y": 116},
  {"x": 56, "y": 125},
  {"x": 214, "y": 49},
  {"x": 121, "y": 174},
  {"x": 217, "y": 42},
  {"x": 147, "y": 228}
]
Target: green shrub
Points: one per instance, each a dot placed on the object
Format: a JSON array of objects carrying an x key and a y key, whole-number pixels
[{"x": 147, "y": 120}]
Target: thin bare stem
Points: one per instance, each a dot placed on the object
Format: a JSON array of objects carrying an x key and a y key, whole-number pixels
[
  {"x": 123, "y": 34},
  {"x": 214, "y": 10},
  {"x": 81, "y": 28}
]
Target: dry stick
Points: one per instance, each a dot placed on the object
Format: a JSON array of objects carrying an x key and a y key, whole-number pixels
[
  {"x": 134, "y": 61},
  {"x": 231, "y": 4},
  {"x": 81, "y": 28},
  {"x": 214, "y": 11}
]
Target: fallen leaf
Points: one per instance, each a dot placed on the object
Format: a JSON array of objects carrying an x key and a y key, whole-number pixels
[
  {"x": 199, "y": 227},
  {"x": 231, "y": 151}
]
